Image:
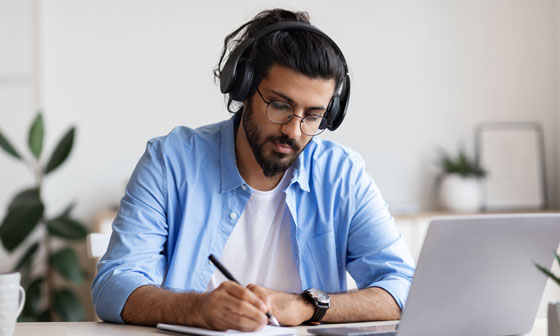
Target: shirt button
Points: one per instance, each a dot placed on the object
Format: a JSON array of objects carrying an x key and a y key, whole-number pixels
[
  {"x": 244, "y": 187},
  {"x": 233, "y": 215}
]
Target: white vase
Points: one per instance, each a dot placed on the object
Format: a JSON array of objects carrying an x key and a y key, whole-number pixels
[
  {"x": 461, "y": 194},
  {"x": 554, "y": 319}
]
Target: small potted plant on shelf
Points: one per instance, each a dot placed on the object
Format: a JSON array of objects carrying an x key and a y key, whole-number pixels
[
  {"x": 553, "y": 307},
  {"x": 461, "y": 183}
]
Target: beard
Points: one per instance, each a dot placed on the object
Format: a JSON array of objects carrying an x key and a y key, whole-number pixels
[{"x": 276, "y": 163}]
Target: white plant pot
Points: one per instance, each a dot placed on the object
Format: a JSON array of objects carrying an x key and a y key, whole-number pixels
[
  {"x": 554, "y": 319},
  {"x": 461, "y": 194}
]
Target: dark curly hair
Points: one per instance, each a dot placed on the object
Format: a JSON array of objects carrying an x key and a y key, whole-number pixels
[{"x": 304, "y": 52}]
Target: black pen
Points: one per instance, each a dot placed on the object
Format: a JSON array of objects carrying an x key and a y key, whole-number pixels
[{"x": 230, "y": 277}]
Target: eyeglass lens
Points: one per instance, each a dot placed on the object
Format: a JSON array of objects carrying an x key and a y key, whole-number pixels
[{"x": 281, "y": 113}]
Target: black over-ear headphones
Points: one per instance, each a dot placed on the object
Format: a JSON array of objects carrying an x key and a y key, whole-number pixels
[{"x": 237, "y": 75}]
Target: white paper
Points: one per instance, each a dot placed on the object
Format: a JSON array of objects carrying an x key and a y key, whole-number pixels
[{"x": 266, "y": 330}]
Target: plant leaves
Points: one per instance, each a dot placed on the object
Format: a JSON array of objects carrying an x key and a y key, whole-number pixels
[
  {"x": 61, "y": 151},
  {"x": 68, "y": 306},
  {"x": 24, "y": 318},
  {"x": 27, "y": 257},
  {"x": 44, "y": 317},
  {"x": 26, "y": 197},
  {"x": 557, "y": 257},
  {"x": 462, "y": 165},
  {"x": 36, "y": 135},
  {"x": 24, "y": 213},
  {"x": 32, "y": 305},
  {"x": 66, "y": 263},
  {"x": 68, "y": 210},
  {"x": 66, "y": 227},
  {"x": 548, "y": 273},
  {"x": 7, "y": 146}
]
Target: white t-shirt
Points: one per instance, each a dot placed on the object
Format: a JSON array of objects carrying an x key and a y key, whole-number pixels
[{"x": 259, "y": 249}]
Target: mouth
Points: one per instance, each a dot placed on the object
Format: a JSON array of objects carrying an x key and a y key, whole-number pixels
[{"x": 282, "y": 147}]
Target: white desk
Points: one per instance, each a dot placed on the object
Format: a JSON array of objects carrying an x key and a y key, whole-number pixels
[{"x": 101, "y": 328}]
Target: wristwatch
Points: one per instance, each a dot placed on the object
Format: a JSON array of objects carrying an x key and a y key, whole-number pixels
[{"x": 320, "y": 300}]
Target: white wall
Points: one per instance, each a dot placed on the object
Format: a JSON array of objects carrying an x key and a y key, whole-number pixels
[
  {"x": 424, "y": 73},
  {"x": 17, "y": 98}
]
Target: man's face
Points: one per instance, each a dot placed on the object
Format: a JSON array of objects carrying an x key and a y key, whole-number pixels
[{"x": 276, "y": 146}]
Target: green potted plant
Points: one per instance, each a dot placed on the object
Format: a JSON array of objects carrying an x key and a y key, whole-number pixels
[
  {"x": 46, "y": 299},
  {"x": 460, "y": 188},
  {"x": 553, "y": 307}
]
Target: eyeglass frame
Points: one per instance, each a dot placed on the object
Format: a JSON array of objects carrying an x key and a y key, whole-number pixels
[{"x": 323, "y": 119}]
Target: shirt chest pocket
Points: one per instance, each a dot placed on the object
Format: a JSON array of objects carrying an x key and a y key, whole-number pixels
[{"x": 322, "y": 250}]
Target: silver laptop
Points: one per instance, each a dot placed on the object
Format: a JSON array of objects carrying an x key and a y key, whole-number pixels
[{"x": 476, "y": 276}]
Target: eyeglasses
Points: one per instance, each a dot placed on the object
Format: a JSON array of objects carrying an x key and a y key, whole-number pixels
[{"x": 280, "y": 112}]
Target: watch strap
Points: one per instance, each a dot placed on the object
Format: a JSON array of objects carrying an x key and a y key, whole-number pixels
[
  {"x": 318, "y": 315},
  {"x": 320, "y": 309}
]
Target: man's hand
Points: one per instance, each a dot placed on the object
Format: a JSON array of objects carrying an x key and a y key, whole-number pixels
[
  {"x": 230, "y": 306},
  {"x": 289, "y": 309}
]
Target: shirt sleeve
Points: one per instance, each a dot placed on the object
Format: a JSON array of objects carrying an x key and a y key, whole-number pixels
[
  {"x": 135, "y": 256},
  {"x": 377, "y": 254}
]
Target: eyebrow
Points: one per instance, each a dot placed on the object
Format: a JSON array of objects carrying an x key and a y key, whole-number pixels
[{"x": 291, "y": 101}]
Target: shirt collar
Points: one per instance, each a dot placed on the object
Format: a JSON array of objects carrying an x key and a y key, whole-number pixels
[
  {"x": 231, "y": 178},
  {"x": 300, "y": 173}
]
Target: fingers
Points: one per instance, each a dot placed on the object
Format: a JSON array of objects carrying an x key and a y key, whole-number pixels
[
  {"x": 283, "y": 306},
  {"x": 247, "y": 295},
  {"x": 234, "y": 319},
  {"x": 262, "y": 293},
  {"x": 231, "y": 306}
]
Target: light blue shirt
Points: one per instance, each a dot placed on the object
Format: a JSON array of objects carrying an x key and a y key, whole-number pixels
[{"x": 186, "y": 195}]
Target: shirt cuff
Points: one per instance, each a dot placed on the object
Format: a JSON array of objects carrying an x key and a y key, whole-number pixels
[
  {"x": 115, "y": 293},
  {"x": 397, "y": 287}
]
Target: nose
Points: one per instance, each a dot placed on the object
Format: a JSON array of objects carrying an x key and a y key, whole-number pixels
[{"x": 292, "y": 128}]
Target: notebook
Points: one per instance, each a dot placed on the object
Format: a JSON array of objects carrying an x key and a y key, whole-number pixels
[{"x": 265, "y": 331}]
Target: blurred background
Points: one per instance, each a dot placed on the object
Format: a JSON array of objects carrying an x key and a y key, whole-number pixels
[{"x": 425, "y": 74}]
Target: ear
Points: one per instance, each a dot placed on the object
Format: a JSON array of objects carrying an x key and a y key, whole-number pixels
[{"x": 248, "y": 99}]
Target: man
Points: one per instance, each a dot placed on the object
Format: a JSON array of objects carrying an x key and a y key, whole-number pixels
[{"x": 287, "y": 213}]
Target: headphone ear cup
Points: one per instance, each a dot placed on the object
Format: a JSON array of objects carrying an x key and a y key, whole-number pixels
[
  {"x": 243, "y": 80},
  {"x": 333, "y": 111},
  {"x": 340, "y": 105}
]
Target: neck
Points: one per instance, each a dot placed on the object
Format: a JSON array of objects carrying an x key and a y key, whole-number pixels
[{"x": 248, "y": 166}]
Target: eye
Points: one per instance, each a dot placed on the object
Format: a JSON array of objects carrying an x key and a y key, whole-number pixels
[
  {"x": 313, "y": 118},
  {"x": 281, "y": 106}
]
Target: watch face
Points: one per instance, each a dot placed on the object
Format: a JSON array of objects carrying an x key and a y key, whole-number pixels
[{"x": 319, "y": 296}]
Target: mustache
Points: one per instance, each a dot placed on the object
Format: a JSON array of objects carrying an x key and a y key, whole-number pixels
[{"x": 285, "y": 140}]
